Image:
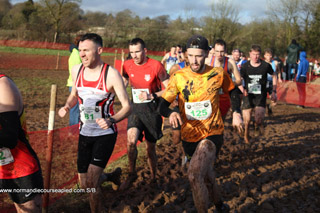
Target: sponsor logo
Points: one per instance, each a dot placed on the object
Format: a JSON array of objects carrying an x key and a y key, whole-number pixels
[{"x": 147, "y": 77}]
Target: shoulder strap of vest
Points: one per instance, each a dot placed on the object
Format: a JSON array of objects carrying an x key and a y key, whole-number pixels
[
  {"x": 81, "y": 67},
  {"x": 106, "y": 67},
  {"x": 225, "y": 67}
]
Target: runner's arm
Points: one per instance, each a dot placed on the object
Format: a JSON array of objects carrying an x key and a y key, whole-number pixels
[
  {"x": 165, "y": 111},
  {"x": 164, "y": 58},
  {"x": 9, "y": 117},
  {"x": 235, "y": 100},
  {"x": 114, "y": 79},
  {"x": 174, "y": 69},
  {"x": 235, "y": 72},
  {"x": 73, "y": 97},
  {"x": 159, "y": 93},
  {"x": 278, "y": 71}
]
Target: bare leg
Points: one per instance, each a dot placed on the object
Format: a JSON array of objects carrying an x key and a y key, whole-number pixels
[
  {"x": 152, "y": 158},
  {"x": 96, "y": 196},
  {"x": 133, "y": 134},
  {"x": 246, "y": 113},
  {"x": 198, "y": 171},
  {"x": 259, "y": 118},
  {"x": 33, "y": 205},
  {"x": 83, "y": 180}
]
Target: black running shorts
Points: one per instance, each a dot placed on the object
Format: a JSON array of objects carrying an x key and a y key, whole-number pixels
[
  {"x": 147, "y": 120},
  {"x": 95, "y": 150},
  {"x": 190, "y": 147},
  {"x": 251, "y": 101},
  {"x": 21, "y": 187}
]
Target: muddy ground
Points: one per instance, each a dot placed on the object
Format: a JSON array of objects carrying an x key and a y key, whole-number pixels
[{"x": 278, "y": 172}]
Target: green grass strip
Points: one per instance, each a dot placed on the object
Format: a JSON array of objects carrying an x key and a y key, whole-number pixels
[{"x": 39, "y": 51}]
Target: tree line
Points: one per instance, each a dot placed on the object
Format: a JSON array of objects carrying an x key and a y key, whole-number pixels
[{"x": 61, "y": 20}]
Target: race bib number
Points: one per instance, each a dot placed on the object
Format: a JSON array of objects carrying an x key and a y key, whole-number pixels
[
  {"x": 254, "y": 88},
  {"x": 5, "y": 156},
  {"x": 90, "y": 114},
  {"x": 198, "y": 110},
  {"x": 136, "y": 93}
]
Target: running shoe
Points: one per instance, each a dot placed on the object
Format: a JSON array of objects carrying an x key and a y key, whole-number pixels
[{"x": 115, "y": 176}]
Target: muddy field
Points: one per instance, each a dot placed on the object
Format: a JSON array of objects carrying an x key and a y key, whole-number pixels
[{"x": 278, "y": 172}]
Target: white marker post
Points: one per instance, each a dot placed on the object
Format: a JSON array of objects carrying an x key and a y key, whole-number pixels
[{"x": 50, "y": 146}]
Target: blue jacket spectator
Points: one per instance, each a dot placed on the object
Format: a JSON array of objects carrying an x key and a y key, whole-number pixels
[{"x": 302, "y": 67}]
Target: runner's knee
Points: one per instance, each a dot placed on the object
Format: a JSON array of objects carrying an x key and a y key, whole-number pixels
[{"x": 132, "y": 135}]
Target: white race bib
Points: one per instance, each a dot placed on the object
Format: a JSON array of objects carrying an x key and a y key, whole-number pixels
[
  {"x": 254, "y": 88},
  {"x": 136, "y": 93},
  {"x": 5, "y": 156},
  {"x": 198, "y": 110},
  {"x": 89, "y": 114}
]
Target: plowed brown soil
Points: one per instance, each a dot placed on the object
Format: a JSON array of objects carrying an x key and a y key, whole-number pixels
[{"x": 277, "y": 172}]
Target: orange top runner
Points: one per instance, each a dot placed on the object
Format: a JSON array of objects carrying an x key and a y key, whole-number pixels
[{"x": 199, "y": 101}]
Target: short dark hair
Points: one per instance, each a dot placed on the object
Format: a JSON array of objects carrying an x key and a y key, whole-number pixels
[
  {"x": 256, "y": 47},
  {"x": 92, "y": 37},
  {"x": 236, "y": 50},
  {"x": 220, "y": 42},
  {"x": 136, "y": 41},
  {"x": 268, "y": 50}
]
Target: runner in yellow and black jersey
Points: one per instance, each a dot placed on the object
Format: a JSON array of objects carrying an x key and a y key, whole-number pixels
[{"x": 202, "y": 125}]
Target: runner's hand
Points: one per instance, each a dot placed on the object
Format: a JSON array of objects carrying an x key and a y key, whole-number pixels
[
  {"x": 63, "y": 111},
  {"x": 245, "y": 93},
  {"x": 144, "y": 96},
  {"x": 103, "y": 123},
  {"x": 174, "y": 119},
  {"x": 237, "y": 122}
]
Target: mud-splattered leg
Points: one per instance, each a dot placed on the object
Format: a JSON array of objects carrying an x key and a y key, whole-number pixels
[{"x": 200, "y": 165}]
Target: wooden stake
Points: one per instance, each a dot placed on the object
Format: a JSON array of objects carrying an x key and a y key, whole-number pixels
[
  {"x": 58, "y": 60},
  {"x": 50, "y": 146}
]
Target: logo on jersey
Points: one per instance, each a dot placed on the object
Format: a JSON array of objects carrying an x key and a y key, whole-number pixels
[
  {"x": 132, "y": 75},
  {"x": 147, "y": 77}
]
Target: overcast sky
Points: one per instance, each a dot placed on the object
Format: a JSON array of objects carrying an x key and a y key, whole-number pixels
[{"x": 248, "y": 9}]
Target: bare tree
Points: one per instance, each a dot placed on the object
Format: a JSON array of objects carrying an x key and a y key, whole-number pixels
[
  {"x": 56, "y": 10},
  {"x": 222, "y": 21},
  {"x": 287, "y": 12}
]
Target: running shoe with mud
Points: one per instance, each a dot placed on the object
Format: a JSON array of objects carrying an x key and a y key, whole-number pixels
[
  {"x": 114, "y": 177},
  {"x": 128, "y": 182}
]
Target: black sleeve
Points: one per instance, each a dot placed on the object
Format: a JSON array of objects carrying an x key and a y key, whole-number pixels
[
  {"x": 163, "y": 107},
  {"x": 235, "y": 100},
  {"x": 9, "y": 128},
  {"x": 270, "y": 70}
]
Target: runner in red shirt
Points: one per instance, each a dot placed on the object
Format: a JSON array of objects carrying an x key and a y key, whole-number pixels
[
  {"x": 19, "y": 164},
  {"x": 146, "y": 77}
]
